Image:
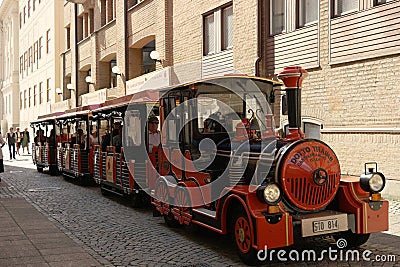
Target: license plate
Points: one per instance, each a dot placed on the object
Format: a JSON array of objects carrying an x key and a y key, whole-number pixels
[{"x": 325, "y": 225}]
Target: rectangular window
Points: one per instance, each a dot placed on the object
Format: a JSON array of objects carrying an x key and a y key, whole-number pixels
[
  {"x": 33, "y": 5},
  {"x": 34, "y": 94},
  {"x": 25, "y": 96},
  {"x": 91, "y": 20},
  {"x": 30, "y": 96},
  {"x": 35, "y": 51},
  {"x": 277, "y": 16},
  {"x": 48, "y": 39},
  {"x": 21, "y": 97},
  {"x": 48, "y": 89},
  {"x": 381, "y": 2},
  {"x": 307, "y": 12},
  {"x": 24, "y": 14},
  {"x": 29, "y": 8},
  {"x": 26, "y": 61},
  {"x": 227, "y": 28},
  {"x": 31, "y": 57},
  {"x": 40, "y": 92},
  {"x": 21, "y": 64},
  {"x": 341, "y": 7},
  {"x": 209, "y": 35},
  {"x": 40, "y": 47},
  {"x": 68, "y": 39},
  {"x": 20, "y": 20},
  {"x": 103, "y": 12}
]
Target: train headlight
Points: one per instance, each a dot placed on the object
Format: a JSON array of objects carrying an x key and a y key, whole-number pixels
[
  {"x": 372, "y": 182},
  {"x": 270, "y": 193}
]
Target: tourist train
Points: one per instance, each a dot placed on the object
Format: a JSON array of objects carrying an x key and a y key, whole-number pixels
[{"x": 220, "y": 162}]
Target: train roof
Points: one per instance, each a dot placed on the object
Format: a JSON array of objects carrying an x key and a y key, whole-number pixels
[
  {"x": 48, "y": 117},
  {"x": 224, "y": 77},
  {"x": 78, "y": 111},
  {"x": 147, "y": 96}
]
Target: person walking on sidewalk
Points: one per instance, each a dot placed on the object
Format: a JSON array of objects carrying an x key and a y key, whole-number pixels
[
  {"x": 2, "y": 143},
  {"x": 19, "y": 139},
  {"x": 25, "y": 140},
  {"x": 11, "y": 139}
]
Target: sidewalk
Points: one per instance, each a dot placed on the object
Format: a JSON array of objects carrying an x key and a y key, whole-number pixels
[{"x": 29, "y": 238}]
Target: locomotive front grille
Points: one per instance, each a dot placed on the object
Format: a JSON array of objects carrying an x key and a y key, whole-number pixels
[{"x": 305, "y": 192}]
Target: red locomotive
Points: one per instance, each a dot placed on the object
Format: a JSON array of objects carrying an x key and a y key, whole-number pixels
[{"x": 220, "y": 164}]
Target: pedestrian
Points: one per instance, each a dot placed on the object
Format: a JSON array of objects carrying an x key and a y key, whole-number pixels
[
  {"x": 19, "y": 138},
  {"x": 2, "y": 143},
  {"x": 11, "y": 139},
  {"x": 25, "y": 140}
]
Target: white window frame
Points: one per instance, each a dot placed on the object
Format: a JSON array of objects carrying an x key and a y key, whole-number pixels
[{"x": 217, "y": 16}]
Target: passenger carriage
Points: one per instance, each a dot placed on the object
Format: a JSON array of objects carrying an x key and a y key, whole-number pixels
[
  {"x": 74, "y": 155},
  {"x": 44, "y": 147},
  {"x": 112, "y": 170}
]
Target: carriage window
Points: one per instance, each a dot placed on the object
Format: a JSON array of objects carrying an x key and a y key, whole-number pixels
[
  {"x": 216, "y": 112},
  {"x": 133, "y": 128}
]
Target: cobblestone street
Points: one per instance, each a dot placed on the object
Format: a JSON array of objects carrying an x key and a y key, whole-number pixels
[{"x": 117, "y": 235}]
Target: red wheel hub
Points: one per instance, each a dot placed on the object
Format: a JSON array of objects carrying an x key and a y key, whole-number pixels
[{"x": 243, "y": 234}]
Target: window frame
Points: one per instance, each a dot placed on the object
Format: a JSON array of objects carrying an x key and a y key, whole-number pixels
[
  {"x": 285, "y": 14},
  {"x": 299, "y": 24},
  {"x": 218, "y": 30},
  {"x": 335, "y": 14}
]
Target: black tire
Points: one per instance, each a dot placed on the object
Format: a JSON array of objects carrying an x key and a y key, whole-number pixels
[
  {"x": 40, "y": 169},
  {"x": 163, "y": 196},
  {"x": 242, "y": 237},
  {"x": 170, "y": 221},
  {"x": 103, "y": 191},
  {"x": 353, "y": 240},
  {"x": 53, "y": 170},
  {"x": 136, "y": 200}
]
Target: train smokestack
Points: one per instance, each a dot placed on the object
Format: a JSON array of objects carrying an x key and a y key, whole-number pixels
[{"x": 293, "y": 78}]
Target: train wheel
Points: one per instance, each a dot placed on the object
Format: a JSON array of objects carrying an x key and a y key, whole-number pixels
[
  {"x": 39, "y": 169},
  {"x": 53, "y": 170},
  {"x": 243, "y": 238},
  {"x": 352, "y": 239},
  {"x": 162, "y": 195},
  {"x": 103, "y": 191},
  {"x": 182, "y": 210},
  {"x": 136, "y": 200}
]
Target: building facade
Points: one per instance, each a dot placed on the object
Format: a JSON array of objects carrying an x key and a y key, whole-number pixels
[
  {"x": 39, "y": 59},
  {"x": 9, "y": 54}
]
